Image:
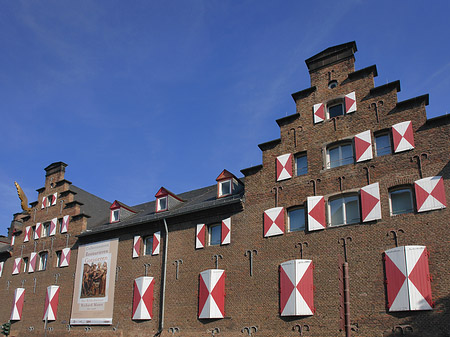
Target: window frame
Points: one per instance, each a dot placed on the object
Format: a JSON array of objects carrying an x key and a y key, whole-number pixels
[
  {"x": 332, "y": 104},
  {"x": 343, "y": 197},
  {"x": 145, "y": 239},
  {"x": 25, "y": 262},
  {"x": 210, "y": 233},
  {"x": 43, "y": 260},
  {"x": 397, "y": 189},
  {"x": 293, "y": 209},
  {"x": 298, "y": 156},
  {"x": 221, "y": 184},
  {"x": 45, "y": 231},
  {"x": 338, "y": 145},
  {"x": 158, "y": 204},
  {"x": 382, "y": 134},
  {"x": 113, "y": 217}
]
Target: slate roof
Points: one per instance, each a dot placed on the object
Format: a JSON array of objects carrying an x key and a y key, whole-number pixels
[
  {"x": 195, "y": 201},
  {"x": 95, "y": 207}
]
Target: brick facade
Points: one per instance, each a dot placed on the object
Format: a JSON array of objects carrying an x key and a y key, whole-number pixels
[{"x": 252, "y": 302}]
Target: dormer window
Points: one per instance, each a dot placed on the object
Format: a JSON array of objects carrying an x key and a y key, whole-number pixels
[
  {"x": 120, "y": 211},
  {"x": 224, "y": 188},
  {"x": 115, "y": 215},
  {"x": 161, "y": 204},
  {"x": 227, "y": 184}
]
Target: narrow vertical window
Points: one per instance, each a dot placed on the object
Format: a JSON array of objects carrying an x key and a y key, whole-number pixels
[
  {"x": 296, "y": 219},
  {"x": 215, "y": 234},
  {"x": 148, "y": 245},
  {"x": 382, "y": 144},
  {"x": 301, "y": 164},
  {"x": 43, "y": 260}
]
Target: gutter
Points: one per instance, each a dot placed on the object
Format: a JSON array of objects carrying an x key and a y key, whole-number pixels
[{"x": 163, "y": 281}]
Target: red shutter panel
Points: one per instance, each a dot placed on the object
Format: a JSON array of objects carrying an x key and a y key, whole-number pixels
[
  {"x": 284, "y": 167},
  {"x": 143, "y": 298},
  {"x": 1, "y": 268},
  {"x": 363, "y": 146},
  {"x": 54, "y": 198},
  {"x": 274, "y": 221},
  {"x": 156, "y": 243},
  {"x": 430, "y": 194},
  {"x": 211, "y": 297},
  {"x": 32, "y": 265},
  {"x": 51, "y": 303},
  {"x": 65, "y": 224},
  {"x": 403, "y": 137},
  {"x": 16, "y": 266},
  {"x": 319, "y": 113},
  {"x": 296, "y": 288},
  {"x": 200, "y": 236},
  {"x": 53, "y": 225},
  {"x": 396, "y": 280},
  {"x": 137, "y": 246},
  {"x": 16, "y": 312},
  {"x": 350, "y": 102},
  {"x": 226, "y": 231},
  {"x": 44, "y": 202},
  {"x": 419, "y": 285},
  {"x": 38, "y": 231},
  {"x": 27, "y": 234},
  {"x": 65, "y": 257},
  {"x": 370, "y": 202},
  {"x": 13, "y": 239},
  {"x": 316, "y": 213}
]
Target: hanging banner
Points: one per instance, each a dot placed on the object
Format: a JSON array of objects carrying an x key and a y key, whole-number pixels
[{"x": 93, "y": 298}]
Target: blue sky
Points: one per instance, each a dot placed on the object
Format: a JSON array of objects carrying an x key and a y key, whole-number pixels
[{"x": 135, "y": 95}]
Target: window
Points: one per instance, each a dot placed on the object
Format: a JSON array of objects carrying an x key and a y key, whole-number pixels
[
  {"x": 382, "y": 144},
  {"x": 43, "y": 260},
  {"x": 60, "y": 224},
  {"x": 301, "y": 164},
  {"x": 332, "y": 84},
  {"x": 49, "y": 200},
  {"x": 148, "y": 245},
  {"x": 58, "y": 258},
  {"x": 214, "y": 234},
  {"x": 34, "y": 231},
  {"x": 339, "y": 155},
  {"x": 115, "y": 215},
  {"x": 25, "y": 264},
  {"x": 401, "y": 201},
  {"x": 344, "y": 210},
  {"x": 161, "y": 204},
  {"x": 224, "y": 188},
  {"x": 335, "y": 109},
  {"x": 46, "y": 229},
  {"x": 296, "y": 218}
]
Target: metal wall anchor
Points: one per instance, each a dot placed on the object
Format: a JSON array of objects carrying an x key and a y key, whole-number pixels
[
  {"x": 250, "y": 330},
  {"x": 146, "y": 267},
  {"x": 68, "y": 327},
  {"x": 7, "y": 284},
  {"x": 177, "y": 263},
  {"x": 277, "y": 190},
  {"x": 57, "y": 275},
  {"x": 116, "y": 327},
  {"x": 174, "y": 330},
  {"x": 375, "y": 107},
  {"x": 67, "y": 239},
  {"x": 314, "y": 183},
  {"x": 344, "y": 244},
  {"x": 341, "y": 183},
  {"x": 300, "y": 328},
  {"x": 23, "y": 282},
  {"x": 301, "y": 244},
  {"x": 217, "y": 256},
  {"x": 404, "y": 329},
  {"x": 118, "y": 268},
  {"x": 300, "y": 128},
  {"x": 35, "y": 244},
  {"x": 367, "y": 169},
  {"x": 395, "y": 235},
  {"x": 250, "y": 253},
  {"x": 51, "y": 245},
  {"x": 214, "y": 331},
  {"x": 34, "y": 286},
  {"x": 418, "y": 158},
  {"x": 88, "y": 328},
  {"x": 31, "y": 328}
]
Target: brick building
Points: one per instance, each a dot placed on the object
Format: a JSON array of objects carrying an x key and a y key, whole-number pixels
[{"x": 340, "y": 231}]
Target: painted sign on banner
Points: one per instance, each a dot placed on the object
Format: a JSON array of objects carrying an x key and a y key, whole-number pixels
[{"x": 93, "y": 299}]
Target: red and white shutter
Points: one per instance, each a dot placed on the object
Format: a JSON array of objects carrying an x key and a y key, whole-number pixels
[
  {"x": 54, "y": 198},
  {"x": 403, "y": 137},
  {"x": 27, "y": 234},
  {"x": 419, "y": 284},
  {"x": 430, "y": 194},
  {"x": 363, "y": 146},
  {"x": 16, "y": 266},
  {"x": 370, "y": 202},
  {"x": 1, "y": 268},
  {"x": 319, "y": 113},
  {"x": 156, "y": 243},
  {"x": 44, "y": 202},
  {"x": 137, "y": 246},
  {"x": 143, "y": 298},
  {"x": 350, "y": 102},
  {"x": 53, "y": 225},
  {"x": 32, "y": 264},
  {"x": 13, "y": 239},
  {"x": 200, "y": 236},
  {"x": 316, "y": 213},
  {"x": 51, "y": 303},
  {"x": 296, "y": 288},
  {"x": 65, "y": 257},
  {"x": 211, "y": 297},
  {"x": 65, "y": 224},
  {"x": 274, "y": 221},
  {"x": 16, "y": 312},
  {"x": 408, "y": 279},
  {"x": 284, "y": 167},
  {"x": 226, "y": 231},
  {"x": 38, "y": 231}
]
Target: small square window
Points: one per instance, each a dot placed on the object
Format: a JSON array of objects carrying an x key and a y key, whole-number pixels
[
  {"x": 401, "y": 201},
  {"x": 301, "y": 164},
  {"x": 115, "y": 215},
  {"x": 224, "y": 188},
  {"x": 148, "y": 245},
  {"x": 214, "y": 234},
  {"x": 382, "y": 144},
  {"x": 161, "y": 204},
  {"x": 25, "y": 264},
  {"x": 296, "y": 219},
  {"x": 335, "y": 110},
  {"x": 43, "y": 260}
]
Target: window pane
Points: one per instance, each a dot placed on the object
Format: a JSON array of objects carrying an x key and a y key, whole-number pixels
[
  {"x": 382, "y": 145},
  {"x": 148, "y": 245},
  {"x": 334, "y": 157},
  {"x": 401, "y": 201},
  {"x": 297, "y": 220},
  {"x": 351, "y": 210},
  {"x": 226, "y": 188},
  {"x": 336, "y": 110},
  {"x": 162, "y": 203},
  {"x": 302, "y": 165},
  {"x": 346, "y": 154},
  {"x": 336, "y": 212},
  {"x": 215, "y": 235}
]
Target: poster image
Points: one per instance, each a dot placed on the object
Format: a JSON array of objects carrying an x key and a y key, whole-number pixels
[{"x": 93, "y": 299}]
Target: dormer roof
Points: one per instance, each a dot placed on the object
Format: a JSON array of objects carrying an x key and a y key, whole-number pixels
[
  {"x": 163, "y": 192},
  {"x": 117, "y": 204}
]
